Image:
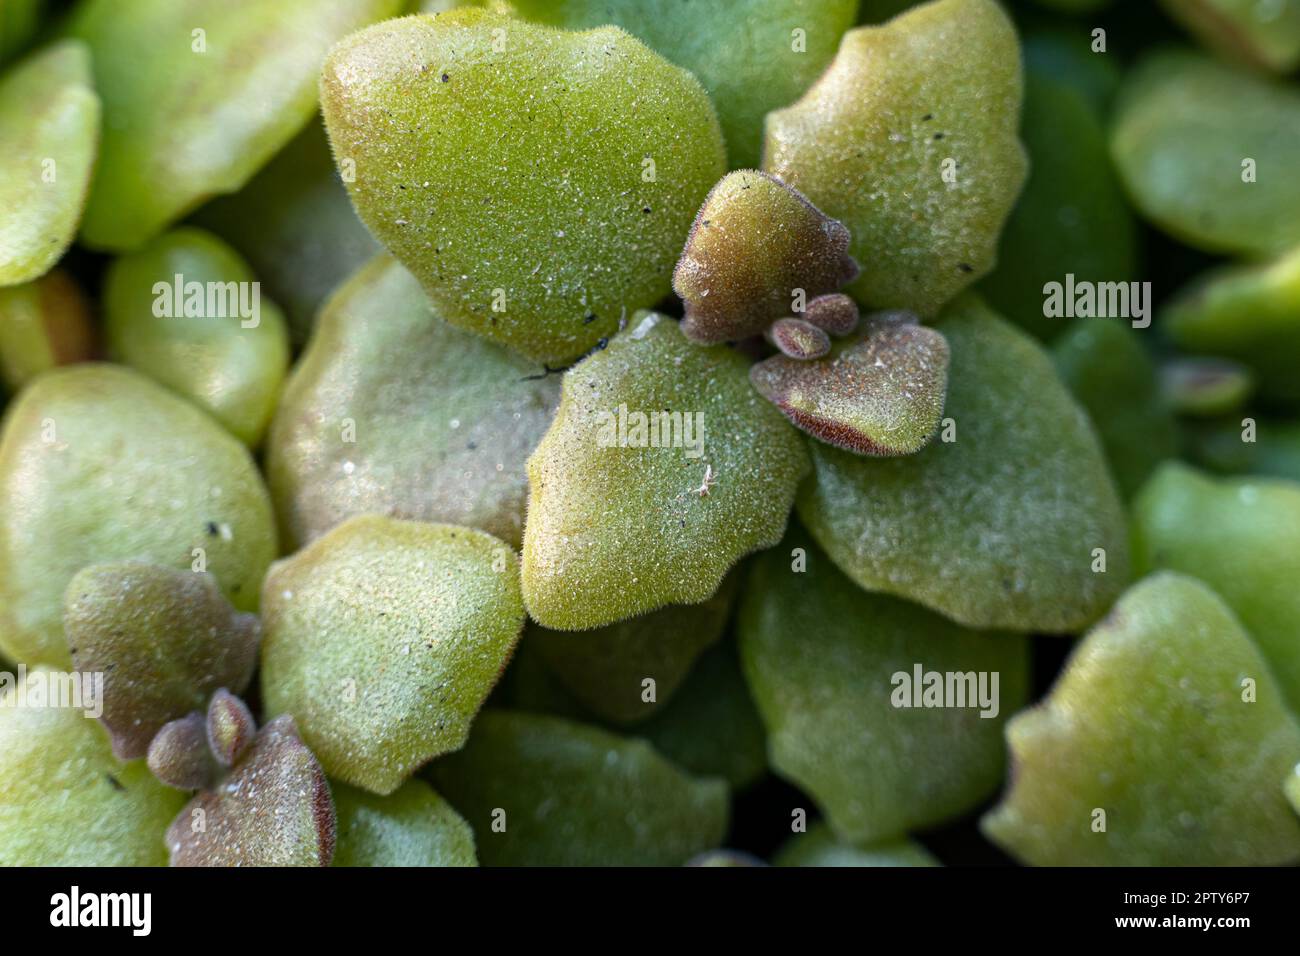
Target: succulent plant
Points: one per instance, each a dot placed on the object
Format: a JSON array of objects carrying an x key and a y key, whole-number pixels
[
  {"x": 542, "y": 791},
  {"x": 515, "y": 431},
  {"x": 392, "y": 410},
  {"x": 909, "y": 139},
  {"x": 49, "y": 127},
  {"x": 538, "y": 218},
  {"x": 230, "y": 362},
  {"x": 1094, "y": 780},
  {"x": 382, "y": 640},
  {"x": 98, "y": 464}
]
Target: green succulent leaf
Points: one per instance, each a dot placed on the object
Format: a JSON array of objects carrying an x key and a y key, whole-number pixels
[
  {"x": 1185, "y": 128},
  {"x": 1239, "y": 536},
  {"x": 711, "y": 728},
  {"x": 573, "y": 795},
  {"x": 164, "y": 639},
  {"x": 65, "y": 800},
  {"x": 392, "y": 411},
  {"x": 828, "y": 665},
  {"x": 819, "y": 847},
  {"x": 909, "y": 139},
  {"x": 43, "y": 324},
  {"x": 1265, "y": 36},
  {"x": 1073, "y": 218},
  {"x": 412, "y": 826},
  {"x": 880, "y": 394},
  {"x": 383, "y": 638},
  {"x": 755, "y": 249},
  {"x": 751, "y": 55},
  {"x": 618, "y": 526},
  {"x": 97, "y": 465},
  {"x": 274, "y": 809},
  {"x": 1248, "y": 312},
  {"x": 295, "y": 225},
  {"x": 187, "y": 311},
  {"x": 606, "y": 668},
  {"x": 49, "y": 131},
  {"x": 997, "y": 523},
  {"x": 1221, "y": 446},
  {"x": 1095, "y": 780},
  {"x": 1110, "y": 374},
  {"x": 538, "y": 183},
  {"x": 197, "y": 97}
]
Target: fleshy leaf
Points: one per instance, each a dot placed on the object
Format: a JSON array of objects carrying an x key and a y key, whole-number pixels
[
  {"x": 1275, "y": 451},
  {"x": 1184, "y": 128},
  {"x": 43, "y": 324},
  {"x": 65, "y": 800},
  {"x": 412, "y": 826},
  {"x": 606, "y": 668},
  {"x": 1248, "y": 312},
  {"x": 881, "y": 394},
  {"x": 909, "y": 139},
  {"x": 1265, "y": 36},
  {"x": 825, "y": 662},
  {"x": 819, "y": 847},
  {"x": 1095, "y": 779},
  {"x": 617, "y": 526},
  {"x": 573, "y": 795},
  {"x": 755, "y": 247},
  {"x": 197, "y": 97},
  {"x": 997, "y": 523},
  {"x": 538, "y": 183},
  {"x": 1073, "y": 217},
  {"x": 49, "y": 128},
  {"x": 179, "y": 755},
  {"x": 710, "y": 728},
  {"x": 97, "y": 465},
  {"x": 835, "y": 313},
  {"x": 294, "y": 223},
  {"x": 801, "y": 340},
  {"x": 164, "y": 639},
  {"x": 230, "y": 727},
  {"x": 1239, "y": 536},
  {"x": 1105, "y": 366},
  {"x": 1205, "y": 387},
  {"x": 751, "y": 55},
  {"x": 383, "y": 638},
  {"x": 230, "y": 359},
  {"x": 274, "y": 809},
  {"x": 393, "y": 411}
]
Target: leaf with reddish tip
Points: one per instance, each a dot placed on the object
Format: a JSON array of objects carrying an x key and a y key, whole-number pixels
[
  {"x": 179, "y": 755},
  {"x": 881, "y": 394},
  {"x": 834, "y": 312},
  {"x": 800, "y": 340},
  {"x": 230, "y": 727},
  {"x": 754, "y": 243},
  {"x": 273, "y": 810},
  {"x": 164, "y": 640}
]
